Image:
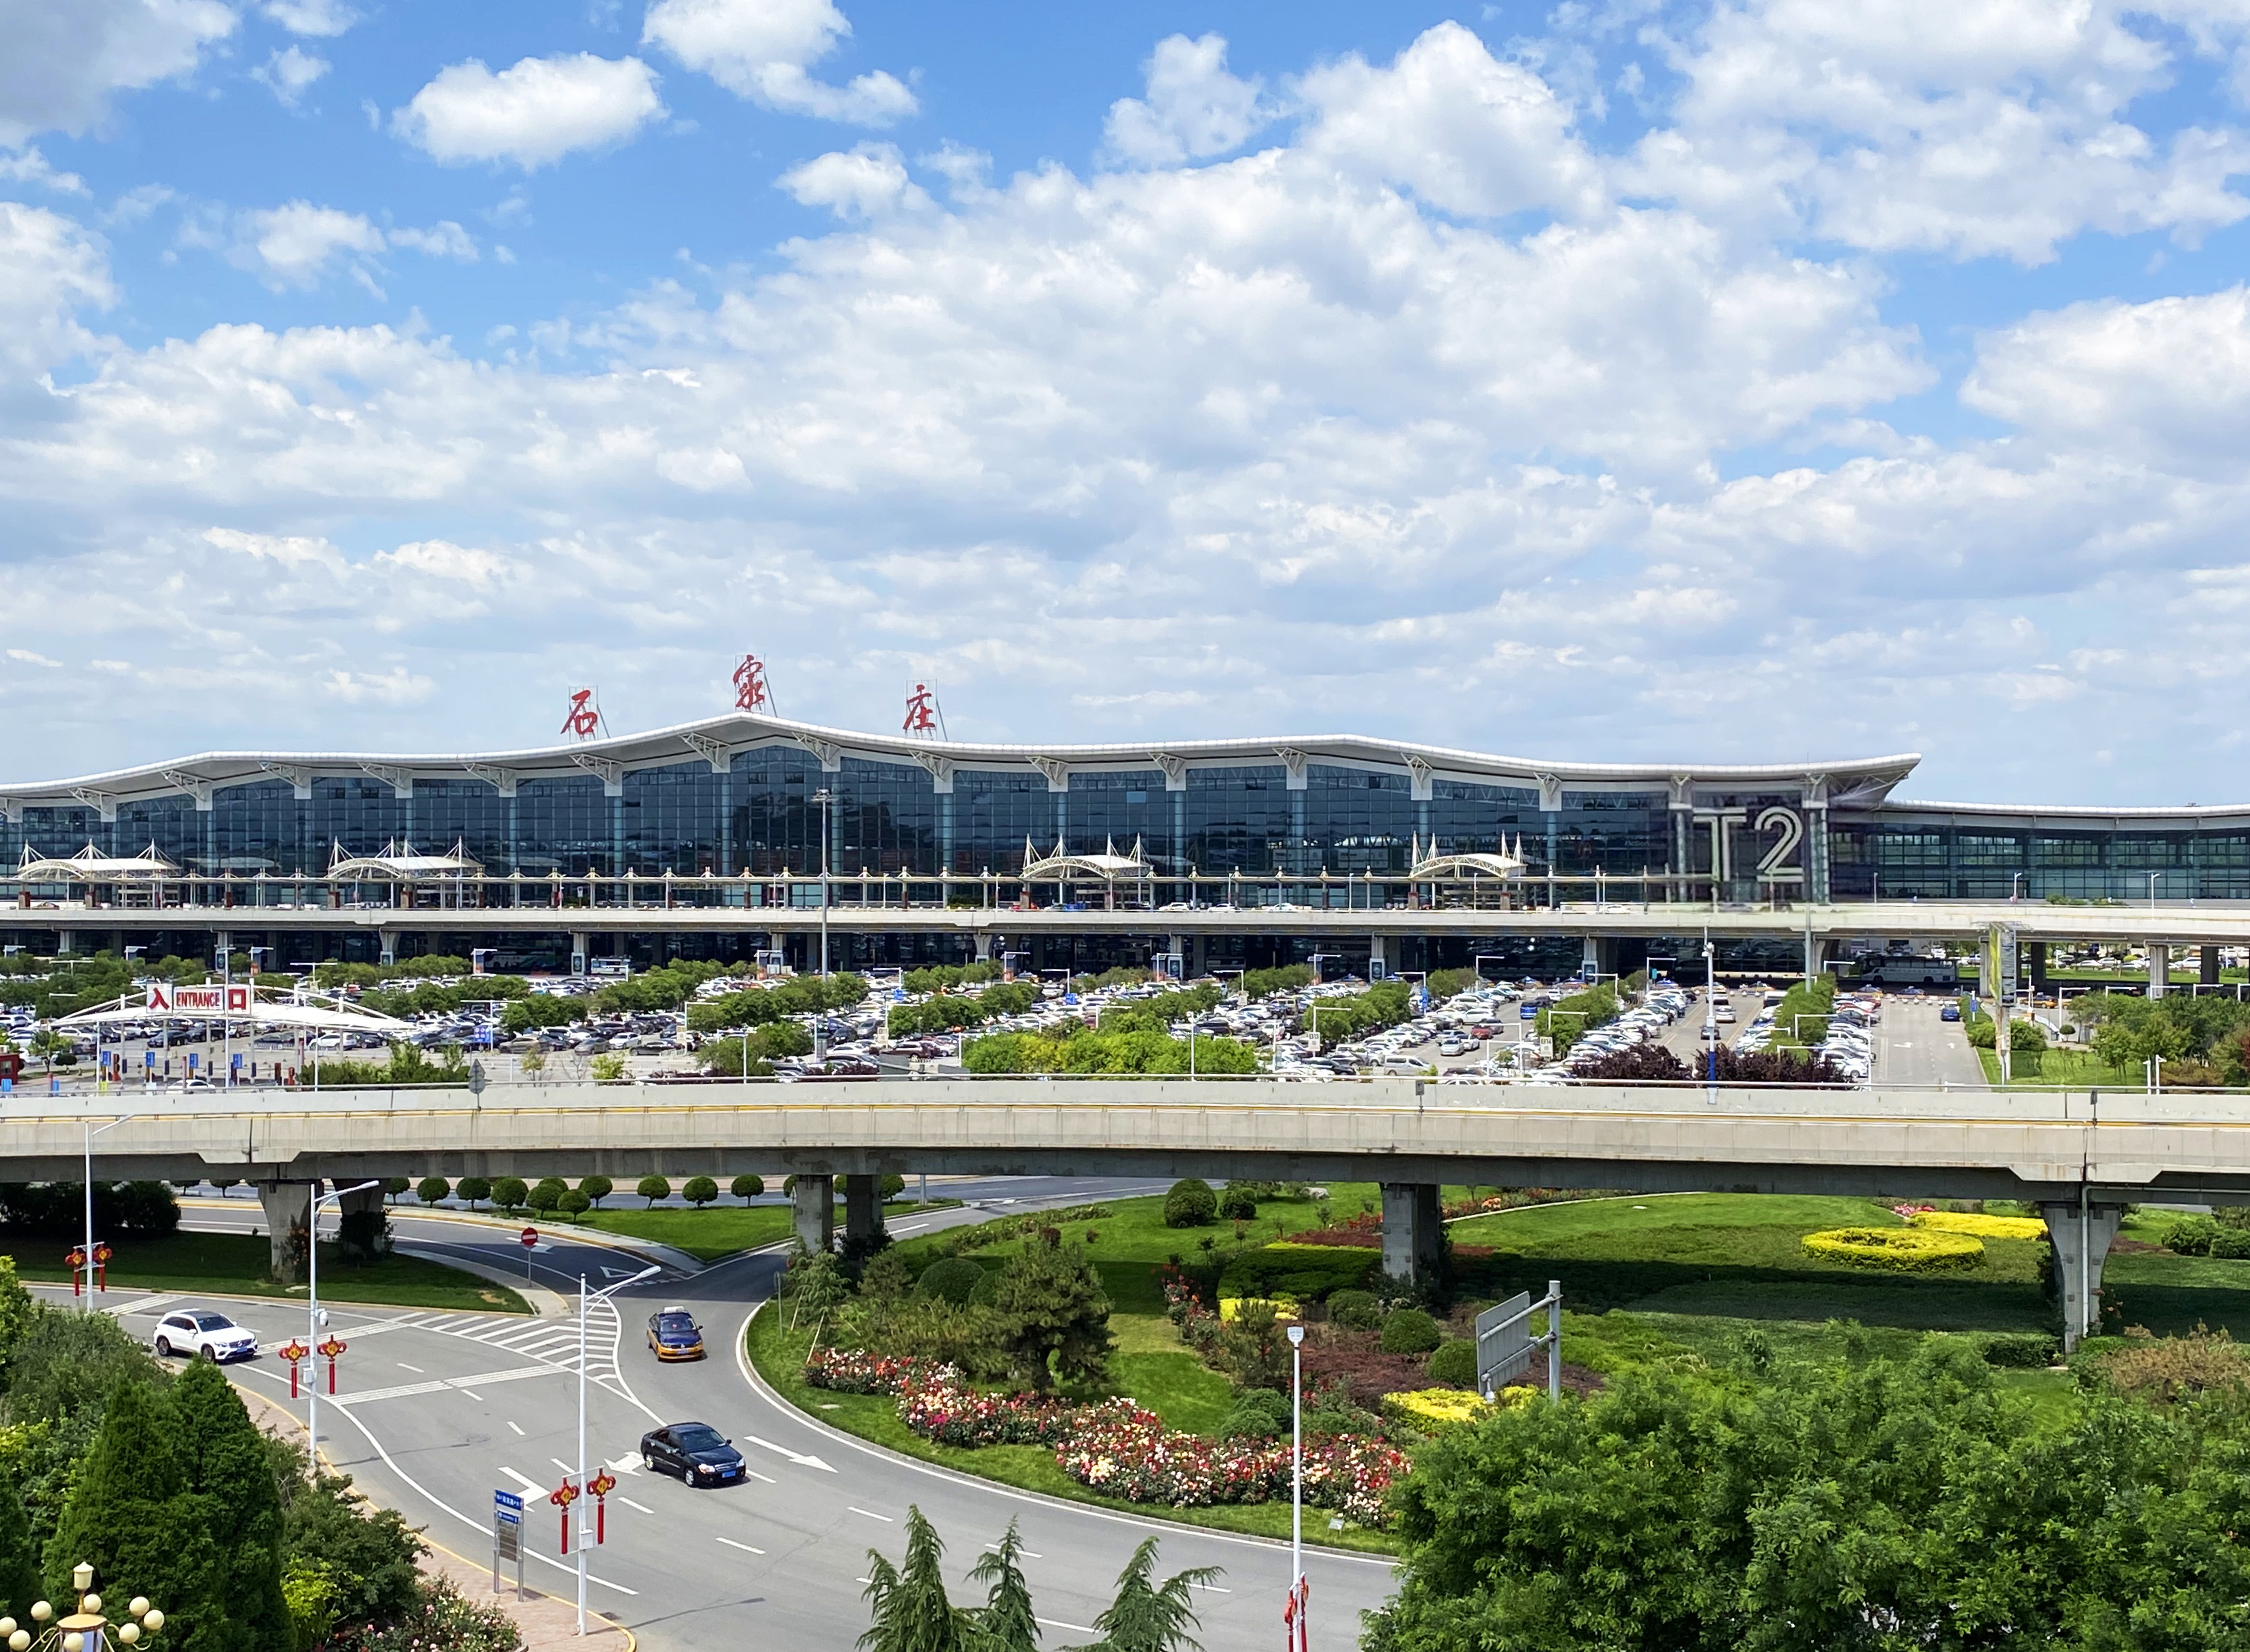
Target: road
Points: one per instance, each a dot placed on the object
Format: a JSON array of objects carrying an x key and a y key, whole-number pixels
[
  {"x": 435, "y": 1411},
  {"x": 1914, "y": 1047}
]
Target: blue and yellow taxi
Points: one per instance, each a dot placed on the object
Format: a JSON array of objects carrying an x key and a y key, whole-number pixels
[{"x": 673, "y": 1334}]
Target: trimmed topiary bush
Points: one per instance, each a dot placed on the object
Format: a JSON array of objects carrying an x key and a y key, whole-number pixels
[
  {"x": 1455, "y": 1364},
  {"x": 1190, "y": 1204},
  {"x": 1410, "y": 1331},
  {"x": 952, "y": 1279},
  {"x": 1238, "y": 1203},
  {"x": 1258, "y": 1414},
  {"x": 1355, "y": 1309},
  {"x": 1903, "y": 1250}
]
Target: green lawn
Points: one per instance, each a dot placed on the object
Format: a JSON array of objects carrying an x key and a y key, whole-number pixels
[
  {"x": 2063, "y": 1068},
  {"x": 235, "y": 1264},
  {"x": 718, "y": 1231},
  {"x": 778, "y": 1354}
]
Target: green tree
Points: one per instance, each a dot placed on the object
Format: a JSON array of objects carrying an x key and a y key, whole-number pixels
[
  {"x": 575, "y": 1204},
  {"x": 906, "y": 1605},
  {"x": 474, "y": 1188},
  {"x": 16, "y": 1311},
  {"x": 19, "y": 1562},
  {"x": 653, "y": 1188},
  {"x": 67, "y": 1365},
  {"x": 231, "y": 1494},
  {"x": 1148, "y": 1616},
  {"x": 597, "y": 1188},
  {"x": 547, "y": 1198},
  {"x": 509, "y": 1193},
  {"x": 367, "y": 1554},
  {"x": 127, "y": 1517},
  {"x": 747, "y": 1188},
  {"x": 700, "y": 1190},
  {"x": 394, "y": 1185},
  {"x": 432, "y": 1189},
  {"x": 1004, "y": 1622},
  {"x": 1053, "y": 1315}
]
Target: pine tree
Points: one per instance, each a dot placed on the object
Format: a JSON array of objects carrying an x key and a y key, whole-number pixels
[
  {"x": 125, "y": 1518},
  {"x": 1151, "y": 1617},
  {"x": 226, "y": 1470},
  {"x": 19, "y": 1564},
  {"x": 1004, "y": 1622},
  {"x": 910, "y": 1611}
]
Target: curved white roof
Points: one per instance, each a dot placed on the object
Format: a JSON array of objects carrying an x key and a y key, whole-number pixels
[{"x": 1859, "y": 781}]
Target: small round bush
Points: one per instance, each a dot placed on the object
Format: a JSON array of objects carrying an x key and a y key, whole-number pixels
[
  {"x": 545, "y": 1198},
  {"x": 2231, "y": 1244},
  {"x": 988, "y": 1290},
  {"x": 1410, "y": 1331},
  {"x": 1455, "y": 1364},
  {"x": 952, "y": 1279},
  {"x": 575, "y": 1204},
  {"x": 1258, "y": 1413},
  {"x": 700, "y": 1190},
  {"x": 509, "y": 1193},
  {"x": 474, "y": 1188},
  {"x": 1355, "y": 1309},
  {"x": 597, "y": 1188},
  {"x": 747, "y": 1188},
  {"x": 1238, "y": 1203},
  {"x": 892, "y": 1186},
  {"x": 430, "y": 1189},
  {"x": 1190, "y": 1204},
  {"x": 653, "y": 1188}
]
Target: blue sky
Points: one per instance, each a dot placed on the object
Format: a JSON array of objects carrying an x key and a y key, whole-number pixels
[{"x": 1761, "y": 381}]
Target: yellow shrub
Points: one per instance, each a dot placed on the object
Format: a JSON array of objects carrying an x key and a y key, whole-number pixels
[
  {"x": 1949, "y": 1221},
  {"x": 1229, "y": 1307},
  {"x": 1909, "y": 1250},
  {"x": 1436, "y": 1407}
]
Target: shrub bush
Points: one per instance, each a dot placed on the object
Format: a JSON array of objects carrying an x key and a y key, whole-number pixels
[
  {"x": 509, "y": 1193},
  {"x": 2231, "y": 1244},
  {"x": 474, "y": 1188},
  {"x": 1906, "y": 1250},
  {"x": 575, "y": 1204},
  {"x": 2021, "y": 1349},
  {"x": 1238, "y": 1203},
  {"x": 597, "y": 1188},
  {"x": 653, "y": 1188},
  {"x": 1190, "y": 1204},
  {"x": 1258, "y": 1413},
  {"x": 700, "y": 1190},
  {"x": 1427, "y": 1409},
  {"x": 430, "y": 1189},
  {"x": 747, "y": 1188},
  {"x": 1302, "y": 1273},
  {"x": 1455, "y": 1364},
  {"x": 1410, "y": 1331},
  {"x": 952, "y": 1279},
  {"x": 2190, "y": 1236},
  {"x": 1355, "y": 1309},
  {"x": 1950, "y": 1221}
]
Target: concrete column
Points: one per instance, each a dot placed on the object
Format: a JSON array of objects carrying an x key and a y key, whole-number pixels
[
  {"x": 862, "y": 1208},
  {"x": 286, "y": 1205},
  {"x": 984, "y": 946},
  {"x": 1412, "y": 1230},
  {"x": 2035, "y": 961},
  {"x": 815, "y": 1198},
  {"x": 1378, "y": 952},
  {"x": 64, "y": 942},
  {"x": 2081, "y": 1244},
  {"x": 222, "y": 945},
  {"x": 1197, "y": 968},
  {"x": 2160, "y": 968},
  {"x": 365, "y": 1200},
  {"x": 388, "y": 944},
  {"x": 1597, "y": 956},
  {"x": 2207, "y": 963},
  {"x": 580, "y": 951}
]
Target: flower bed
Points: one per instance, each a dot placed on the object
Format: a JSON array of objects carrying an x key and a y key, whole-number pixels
[
  {"x": 1909, "y": 1250},
  {"x": 1115, "y": 1447},
  {"x": 1950, "y": 1221}
]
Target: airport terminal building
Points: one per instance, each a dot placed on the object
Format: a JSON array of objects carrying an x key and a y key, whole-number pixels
[{"x": 698, "y": 837}]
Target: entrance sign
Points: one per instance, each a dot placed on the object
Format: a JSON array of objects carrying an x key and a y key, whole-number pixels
[{"x": 166, "y": 999}]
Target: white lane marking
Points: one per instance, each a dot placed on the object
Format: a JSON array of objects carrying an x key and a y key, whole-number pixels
[
  {"x": 994, "y": 1548},
  {"x": 641, "y": 1508},
  {"x": 870, "y": 1514},
  {"x": 798, "y": 1458},
  {"x": 1210, "y": 1588},
  {"x": 440, "y": 1384},
  {"x": 518, "y": 1427},
  {"x": 754, "y": 1475},
  {"x": 472, "y": 1393},
  {"x": 1057, "y": 1623},
  {"x": 564, "y": 1466},
  {"x": 523, "y": 1480},
  {"x": 731, "y": 1544},
  {"x": 416, "y": 1370},
  {"x": 142, "y": 1304}
]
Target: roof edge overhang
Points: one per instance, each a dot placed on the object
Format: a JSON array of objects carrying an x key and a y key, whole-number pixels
[{"x": 1863, "y": 779}]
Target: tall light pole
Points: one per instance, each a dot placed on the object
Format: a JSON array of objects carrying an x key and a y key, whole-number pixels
[
  {"x": 826, "y": 799},
  {"x": 92, "y": 1131},
  {"x": 1710, "y": 1022},
  {"x": 1297, "y": 1476},
  {"x": 312, "y": 1316},
  {"x": 586, "y": 1302}
]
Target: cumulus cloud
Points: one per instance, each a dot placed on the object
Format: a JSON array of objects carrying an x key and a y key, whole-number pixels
[
  {"x": 50, "y": 270},
  {"x": 762, "y": 50},
  {"x": 289, "y": 550},
  {"x": 441, "y": 559},
  {"x": 29, "y": 166},
  {"x": 318, "y": 17},
  {"x": 1193, "y": 106},
  {"x": 64, "y": 61},
  {"x": 868, "y": 183},
  {"x": 300, "y": 244},
  {"x": 27, "y": 657},
  {"x": 397, "y": 686},
  {"x": 532, "y": 115},
  {"x": 288, "y": 73}
]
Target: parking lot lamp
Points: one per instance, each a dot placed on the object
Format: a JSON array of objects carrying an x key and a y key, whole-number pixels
[
  {"x": 314, "y": 1316},
  {"x": 1297, "y": 1473},
  {"x": 92, "y": 1131},
  {"x": 586, "y": 1301}
]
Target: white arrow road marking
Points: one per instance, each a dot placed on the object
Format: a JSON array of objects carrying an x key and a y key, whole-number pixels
[
  {"x": 798, "y": 1458},
  {"x": 731, "y": 1544},
  {"x": 524, "y": 1479}
]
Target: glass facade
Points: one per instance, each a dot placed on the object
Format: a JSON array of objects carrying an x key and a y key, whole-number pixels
[{"x": 1249, "y": 819}]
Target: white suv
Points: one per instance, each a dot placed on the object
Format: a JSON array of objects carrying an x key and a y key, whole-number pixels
[{"x": 201, "y": 1331}]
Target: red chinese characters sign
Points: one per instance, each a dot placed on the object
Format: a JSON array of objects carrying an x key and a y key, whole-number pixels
[
  {"x": 921, "y": 710},
  {"x": 583, "y": 717},
  {"x": 750, "y": 691}
]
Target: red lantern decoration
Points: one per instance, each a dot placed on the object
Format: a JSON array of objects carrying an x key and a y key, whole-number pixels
[
  {"x": 294, "y": 1352},
  {"x": 101, "y": 1255},
  {"x": 77, "y": 1261},
  {"x": 331, "y": 1348},
  {"x": 601, "y": 1485},
  {"x": 563, "y": 1497}
]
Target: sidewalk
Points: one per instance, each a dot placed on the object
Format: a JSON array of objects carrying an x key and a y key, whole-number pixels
[{"x": 546, "y": 1622}]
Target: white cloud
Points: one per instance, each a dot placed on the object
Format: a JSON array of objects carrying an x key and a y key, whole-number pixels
[
  {"x": 442, "y": 240},
  {"x": 29, "y": 166},
  {"x": 532, "y": 113},
  {"x": 288, "y": 73},
  {"x": 322, "y": 18},
  {"x": 49, "y": 269},
  {"x": 291, "y": 551},
  {"x": 442, "y": 560},
  {"x": 1194, "y": 108},
  {"x": 397, "y": 686},
  {"x": 761, "y": 49},
  {"x": 299, "y": 244},
  {"x": 29, "y": 658},
  {"x": 869, "y": 182},
  {"x": 62, "y": 61}
]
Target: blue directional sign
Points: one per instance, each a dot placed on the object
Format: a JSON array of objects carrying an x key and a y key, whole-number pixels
[{"x": 508, "y": 1508}]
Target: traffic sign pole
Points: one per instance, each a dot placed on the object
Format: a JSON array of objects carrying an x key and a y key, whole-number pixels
[
  {"x": 530, "y": 1240},
  {"x": 508, "y": 1537}
]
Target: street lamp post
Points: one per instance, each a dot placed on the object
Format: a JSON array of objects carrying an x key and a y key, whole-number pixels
[
  {"x": 313, "y": 1315},
  {"x": 92, "y": 1131},
  {"x": 584, "y": 1302},
  {"x": 826, "y": 799},
  {"x": 1297, "y": 1478},
  {"x": 82, "y": 1630}
]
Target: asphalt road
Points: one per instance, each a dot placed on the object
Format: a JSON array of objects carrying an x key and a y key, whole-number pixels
[
  {"x": 435, "y": 1411},
  {"x": 1914, "y": 1047}
]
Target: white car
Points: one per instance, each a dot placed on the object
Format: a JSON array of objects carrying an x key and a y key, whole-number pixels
[{"x": 198, "y": 1330}]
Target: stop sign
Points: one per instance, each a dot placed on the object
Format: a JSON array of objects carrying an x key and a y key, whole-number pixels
[{"x": 529, "y": 1236}]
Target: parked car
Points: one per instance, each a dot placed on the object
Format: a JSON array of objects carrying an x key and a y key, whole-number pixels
[
  {"x": 699, "y": 1454},
  {"x": 198, "y": 1330},
  {"x": 673, "y": 1334}
]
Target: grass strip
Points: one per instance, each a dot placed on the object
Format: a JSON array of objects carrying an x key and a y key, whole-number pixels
[{"x": 235, "y": 1264}]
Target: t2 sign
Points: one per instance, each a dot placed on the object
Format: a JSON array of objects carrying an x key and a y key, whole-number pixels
[{"x": 1781, "y": 862}]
